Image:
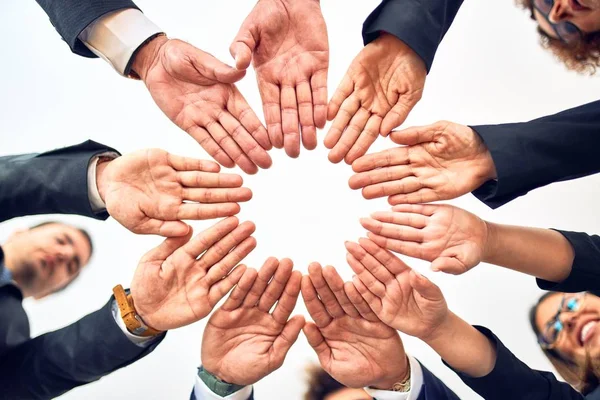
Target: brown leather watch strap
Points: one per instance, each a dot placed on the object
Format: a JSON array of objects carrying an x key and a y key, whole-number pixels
[{"x": 132, "y": 320}]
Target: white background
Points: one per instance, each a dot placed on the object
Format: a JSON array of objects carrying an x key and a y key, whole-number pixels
[{"x": 489, "y": 69}]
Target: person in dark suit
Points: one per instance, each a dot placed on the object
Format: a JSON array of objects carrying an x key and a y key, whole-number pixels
[{"x": 89, "y": 179}]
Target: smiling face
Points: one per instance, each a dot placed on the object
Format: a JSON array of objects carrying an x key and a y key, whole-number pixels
[
  {"x": 583, "y": 14},
  {"x": 44, "y": 259}
]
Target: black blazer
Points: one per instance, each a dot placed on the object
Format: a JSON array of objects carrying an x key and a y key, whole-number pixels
[{"x": 54, "y": 363}]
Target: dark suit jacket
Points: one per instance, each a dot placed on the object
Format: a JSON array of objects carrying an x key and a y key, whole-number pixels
[
  {"x": 71, "y": 17},
  {"x": 54, "y": 363}
]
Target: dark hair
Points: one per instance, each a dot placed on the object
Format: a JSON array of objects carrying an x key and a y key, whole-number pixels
[
  {"x": 582, "y": 57},
  {"x": 320, "y": 383},
  {"x": 583, "y": 378}
]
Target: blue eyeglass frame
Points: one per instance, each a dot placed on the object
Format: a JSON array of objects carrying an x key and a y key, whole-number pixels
[
  {"x": 578, "y": 300},
  {"x": 568, "y": 32}
]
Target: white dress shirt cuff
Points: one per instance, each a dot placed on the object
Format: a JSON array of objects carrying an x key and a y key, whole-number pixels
[
  {"x": 117, "y": 35},
  {"x": 142, "y": 341},
  {"x": 416, "y": 383},
  {"x": 202, "y": 392},
  {"x": 93, "y": 193}
]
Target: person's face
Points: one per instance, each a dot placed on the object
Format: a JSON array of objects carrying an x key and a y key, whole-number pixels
[
  {"x": 348, "y": 394},
  {"x": 580, "y": 329},
  {"x": 585, "y": 14},
  {"x": 47, "y": 258}
]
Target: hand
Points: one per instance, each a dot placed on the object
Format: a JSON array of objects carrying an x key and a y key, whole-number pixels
[
  {"x": 382, "y": 85},
  {"x": 196, "y": 92},
  {"x": 352, "y": 344},
  {"x": 151, "y": 191},
  {"x": 453, "y": 239},
  {"x": 287, "y": 41},
  {"x": 440, "y": 162},
  {"x": 172, "y": 287},
  {"x": 401, "y": 298},
  {"x": 243, "y": 342}
]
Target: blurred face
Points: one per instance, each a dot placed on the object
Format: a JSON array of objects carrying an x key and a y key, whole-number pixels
[
  {"x": 348, "y": 394},
  {"x": 579, "y": 331},
  {"x": 584, "y": 14},
  {"x": 45, "y": 259}
]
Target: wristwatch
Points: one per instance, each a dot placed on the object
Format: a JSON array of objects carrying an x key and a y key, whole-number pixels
[
  {"x": 132, "y": 320},
  {"x": 216, "y": 385}
]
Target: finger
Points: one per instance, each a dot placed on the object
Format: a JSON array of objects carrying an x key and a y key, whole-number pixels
[
  {"x": 449, "y": 265},
  {"x": 153, "y": 226},
  {"x": 391, "y": 263},
  {"x": 264, "y": 276},
  {"x": 349, "y": 108},
  {"x": 192, "y": 164},
  {"x": 232, "y": 195},
  {"x": 251, "y": 148},
  {"x": 386, "y": 158},
  {"x": 315, "y": 272},
  {"x": 396, "y": 116},
  {"x": 305, "y": 113},
  {"x": 202, "y": 241},
  {"x": 318, "y": 83},
  {"x": 393, "y": 231},
  {"x": 411, "y": 219},
  {"x": 375, "y": 286},
  {"x": 195, "y": 179},
  {"x": 369, "y": 134},
  {"x": 410, "y": 249},
  {"x": 205, "y": 140},
  {"x": 226, "y": 246},
  {"x": 286, "y": 339},
  {"x": 237, "y": 296},
  {"x": 415, "y": 210},
  {"x": 426, "y": 289},
  {"x": 276, "y": 286},
  {"x": 242, "y": 47},
  {"x": 317, "y": 342},
  {"x": 287, "y": 301},
  {"x": 370, "y": 298},
  {"x": 223, "y": 267},
  {"x": 314, "y": 306},
  {"x": 166, "y": 248},
  {"x": 223, "y": 286},
  {"x": 336, "y": 284},
  {"x": 207, "y": 66},
  {"x": 374, "y": 267},
  {"x": 289, "y": 121},
  {"x": 343, "y": 91},
  {"x": 231, "y": 147},
  {"x": 424, "y": 195},
  {"x": 240, "y": 109},
  {"x": 359, "y": 303},
  {"x": 269, "y": 93},
  {"x": 379, "y": 175},
  {"x": 350, "y": 135},
  {"x": 415, "y": 135},
  {"x": 406, "y": 185},
  {"x": 206, "y": 211}
]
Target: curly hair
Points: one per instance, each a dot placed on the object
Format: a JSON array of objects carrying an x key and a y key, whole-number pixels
[{"x": 584, "y": 57}]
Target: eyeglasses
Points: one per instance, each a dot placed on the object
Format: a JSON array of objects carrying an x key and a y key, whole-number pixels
[
  {"x": 570, "y": 303},
  {"x": 567, "y": 31}
]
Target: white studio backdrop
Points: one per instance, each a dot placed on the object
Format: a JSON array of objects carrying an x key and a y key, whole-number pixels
[{"x": 489, "y": 69}]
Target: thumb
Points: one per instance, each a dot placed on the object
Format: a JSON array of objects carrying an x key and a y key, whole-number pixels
[
  {"x": 395, "y": 117},
  {"x": 317, "y": 341},
  {"x": 242, "y": 47},
  {"x": 206, "y": 66},
  {"x": 287, "y": 338},
  {"x": 414, "y": 135},
  {"x": 449, "y": 265},
  {"x": 427, "y": 289},
  {"x": 167, "y": 247}
]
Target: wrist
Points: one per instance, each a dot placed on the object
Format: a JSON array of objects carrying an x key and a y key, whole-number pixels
[
  {"x": 402, "y": 375},
  {"x": 147, "y": 55},
  {"x": 443, "y": 332},
  {"x": 101, "y": 177},
  {"x": 491, "y": 243}
]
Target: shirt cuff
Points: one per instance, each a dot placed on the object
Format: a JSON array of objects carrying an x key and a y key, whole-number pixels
[
  {"x": 142, "y": 341},
  {"x": 116, "y": 36},
  {"x": 93, "y": 193},
  {"x": 416, "y": 382},
  {"x": 201, "y": 391}
]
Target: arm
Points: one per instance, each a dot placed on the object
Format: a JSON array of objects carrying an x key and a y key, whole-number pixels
[
  {"x": 52, "y": 182},
  {"x": 532, "y": 154},
  {"x": 421, "y": 24}
]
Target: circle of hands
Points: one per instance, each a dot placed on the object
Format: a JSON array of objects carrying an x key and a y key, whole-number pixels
[{"x": 356, "y": 323}]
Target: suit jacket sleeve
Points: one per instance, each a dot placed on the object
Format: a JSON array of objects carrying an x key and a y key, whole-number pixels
[
  {"x": 420, "y": 24},
  {"x": 70, "y": 17},
  {"x": 56, "y": 362},
  {"x": 433, "y": 388},
  {"x": 54, "y": 182},
  {"x": 529, "y": 155},
  {"x": 513, "y": 379},
  {"x": 585, "y": 273}
]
